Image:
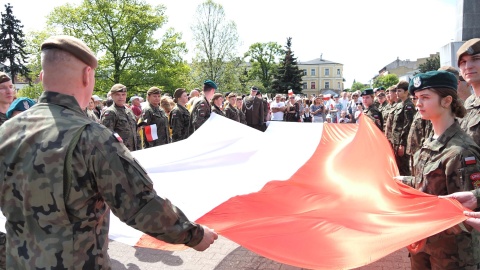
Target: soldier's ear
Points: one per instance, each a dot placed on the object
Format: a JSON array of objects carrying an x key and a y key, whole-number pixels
[{"x": 446, "y": 101}]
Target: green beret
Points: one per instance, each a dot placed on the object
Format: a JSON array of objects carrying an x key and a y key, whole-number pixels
[
  {"x": 154, "y": 90},
  {"x": 4, "y": 77},
  {"x": 19, "y": 104},
  {"x": 432, "y": 79},
  {"x": 118, "y": 88},
  {"x": 470, "y": 47},
  {"x": 72, "y": 45},
  {"x": 381, "y": 88},
  {"x": 210, "y": 84},
  {"x": 366, "y": 92}
]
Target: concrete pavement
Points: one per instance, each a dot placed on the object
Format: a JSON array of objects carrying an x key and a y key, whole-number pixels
[{"x": 223, "y": 255}]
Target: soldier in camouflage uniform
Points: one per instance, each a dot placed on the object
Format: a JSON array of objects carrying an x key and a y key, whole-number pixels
[
  {"x": 201, "y": 108},
  {"x": 468, "y": 62},
  {"x": 241, "y": 115},
  {"x": 7, "y": 92},
  {"x": 154, "y": 120},
  {"x": 217, "y": 103},
  {"x": 402, "y": 121},
  {"x": 231, "y": 112},
  {"x": 180, "y": 116},
  {"x": 390, "y": 111},
  {"x": 370, "y": 109},
  {"x": 120, "y": 119},
  {"x": 63, "y": 173},
  {"x": 419, "y": 131},
  {"x": 448, "y": 162}
]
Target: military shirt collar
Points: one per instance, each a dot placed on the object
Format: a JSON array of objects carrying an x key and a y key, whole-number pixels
[
  {"x": 441, "y": 141},
  {"x": 472, "y": 102},
  {"x": 63, "y": 100}
]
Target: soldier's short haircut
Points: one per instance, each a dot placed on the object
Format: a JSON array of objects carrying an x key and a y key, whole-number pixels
[{"x": 402, "y": 85}]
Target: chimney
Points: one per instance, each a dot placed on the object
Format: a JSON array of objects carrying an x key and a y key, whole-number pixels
[{"x": 321, "y": 57}]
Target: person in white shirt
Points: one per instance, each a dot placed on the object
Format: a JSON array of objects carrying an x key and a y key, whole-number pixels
[{"x": 278, "y": 108}]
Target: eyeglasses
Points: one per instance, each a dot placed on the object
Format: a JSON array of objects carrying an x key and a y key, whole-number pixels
[{"x": 292, "y": 98}]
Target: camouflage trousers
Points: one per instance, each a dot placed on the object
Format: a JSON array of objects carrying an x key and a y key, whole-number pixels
[
  {"x": 403, "y": 163},
  {"x": 3, "y": 250}
]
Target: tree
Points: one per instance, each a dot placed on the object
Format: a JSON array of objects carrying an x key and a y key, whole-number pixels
[
  {"x": 357, "y": 86},
  {"x": 432, "y": 63},
  {"x": 12, "y": 43},
  {"x": 263, "y": 58},
  {"x": 216, "y": 43},
  {"x": 288, "y": 75},
  {"x": 385, "y": 81},
  {"x": 122, "y": 33}
]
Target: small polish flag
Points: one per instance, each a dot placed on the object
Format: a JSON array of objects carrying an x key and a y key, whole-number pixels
[
  {"x": 119, "y": 139},
  {"x": 470, "y": 160},
  {"x": 151, "y": 132},
  {"x": 290, "y": 92}
]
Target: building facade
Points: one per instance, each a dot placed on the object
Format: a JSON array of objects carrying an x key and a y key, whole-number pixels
[{"x": 320, "y": 76}]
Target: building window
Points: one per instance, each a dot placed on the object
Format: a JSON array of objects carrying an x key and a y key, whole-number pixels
[
  {"x": 304, "y": 85},
  {"x": 338, "y": 72},
  {"x": 312, "y": 72},
  {"x": 312, "y": 85},
  {"x": 339, "y": 87},
  {"x": 327, "y": 85},
  {"x": 327, "y": 72},
  {"x": 304, "y": 72}
]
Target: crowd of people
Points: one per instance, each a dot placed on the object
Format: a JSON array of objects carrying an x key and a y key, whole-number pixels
[{"x": 76, "y": 147}]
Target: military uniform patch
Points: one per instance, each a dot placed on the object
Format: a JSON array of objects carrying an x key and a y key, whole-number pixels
[
  {"x": 470, "y": 160},
  {"x": 119, "y": 139},
  {"x": 25, "y": 105},
  {"x": 417, "y": 82},
  {"x": 475, "y": 177}
]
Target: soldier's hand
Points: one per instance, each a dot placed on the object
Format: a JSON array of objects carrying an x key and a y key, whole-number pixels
[
  {"x": 474, "y": 219},
  {"x": 466, "y": 198},
  {"x": 401, "y": 151},
  {"x": 209, "y": 236}
]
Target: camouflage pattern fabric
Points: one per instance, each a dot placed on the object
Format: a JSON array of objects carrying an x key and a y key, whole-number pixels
[
  {"x": 231, "y": 112},
  {"x": 58, "y": 224},
  {"x": 3, "y": 236},
  {"x": 201, "y": 111},
  {"x": 443, "y": 166},
  {"x": 3, "y": 118},
  {"x": 180, "y": 123},
  {"x": 217, "y": 110},
  {"x": 419, "y": 131},
  {"x": 471, "y": 122},
  {"x": 402, "y": 121},
  {"x": 373, "y": 113},
  {"x": 122, "y": 121},
  {"x": 155, "y": 115},
  {"x": 243, "y": 118},
  {"x": 389, "y": 123}
]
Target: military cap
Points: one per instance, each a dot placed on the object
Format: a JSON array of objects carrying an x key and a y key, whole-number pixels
[
  {"x": 210, "y": 84},
  {"x": 118, "y": 88},
  {"x": 366, "y": 92},
  {"x": 231, "y": 95},
  {"x": 381, "y": 88},
  {"x": 381, "y": 95},
  {"x": 4, "y": 77},
  {"x": 432, "y": 79},
  {"x": 227, "y": 93},
  {"x": 72, "y": 45},
  {"x": 254, "y": 88},
  {"x": 470, "y": 47},
  {"x": 154, "y": 90},
  {"x": 450, "y": 69},
  {"x": 19, "y": 104}
]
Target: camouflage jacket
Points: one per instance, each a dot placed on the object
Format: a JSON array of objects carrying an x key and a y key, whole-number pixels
[
  {"x": 180, "y": 123},
  {"x": 389, "y": 123},
  {"x": 449, "y": 164},
  {"x": 471, "y": 122},
  {"x": 154, "y": 115},
  {"x": 217, "y": 110},
  {"x": 419, "y": 131},
  {"x": 402, "y": 121},
  {"x": 201, "y": 111},
  {"x": 232, "y": 113},
  {"x": 57, "y": 208},
  {"x": 373, "y": 113},
  {"x": 122, "y": 121}
]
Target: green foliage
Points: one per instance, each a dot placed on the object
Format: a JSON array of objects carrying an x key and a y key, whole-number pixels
[
  {"x": 263, "y": 58},
  {"x": 12, "y": 43},
  {"x": 432, "y": 63},
  {"x": 385, "y": 81},
  {"x": 357, "y": 86},
  {"x": 31, "y": 91},
  {"x": 216, "y": 41},
  {"x": 288, "y": 75},
  {"x": 122, "y": 35}
]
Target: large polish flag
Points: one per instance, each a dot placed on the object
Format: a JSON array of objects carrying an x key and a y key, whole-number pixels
[{"x": 317, "y": 196}]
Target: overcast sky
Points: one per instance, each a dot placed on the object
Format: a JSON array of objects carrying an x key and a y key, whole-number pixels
[{"x": 363, "y": 35}]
